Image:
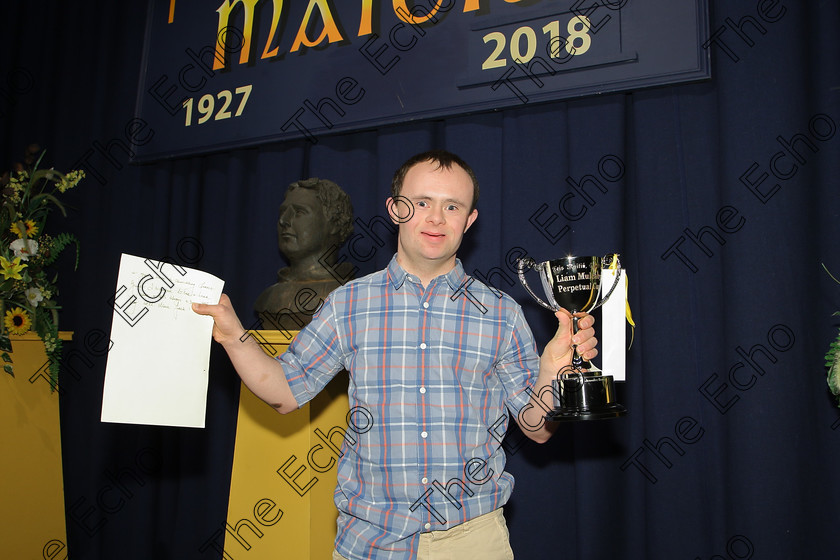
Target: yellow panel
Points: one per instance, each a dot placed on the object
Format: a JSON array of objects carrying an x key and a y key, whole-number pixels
[
  {"x": 268, "y": 442},
  {"x": 32, "y": 516}
]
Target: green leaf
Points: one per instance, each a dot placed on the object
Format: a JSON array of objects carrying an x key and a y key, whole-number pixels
[
  {"x": 6, "y": 358},
  {"x": 40, "y": 157},
  {"x": 8, "y": 369},
  {"x": 832, "y": 359},
  {"x": 832, "y": 277},
  {"x": 50, "y": 198},
  {"x": 60, "y": 242},
  {"x": 48, "y": 174}
]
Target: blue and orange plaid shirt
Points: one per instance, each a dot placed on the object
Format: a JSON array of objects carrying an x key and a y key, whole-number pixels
[{"x": 434, "y": 372}]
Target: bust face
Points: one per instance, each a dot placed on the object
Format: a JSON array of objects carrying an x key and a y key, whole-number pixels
[{"x": 302, "y": 229}]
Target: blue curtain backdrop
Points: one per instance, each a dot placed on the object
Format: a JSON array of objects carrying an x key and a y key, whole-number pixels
[{"x": 730, "y": 449}]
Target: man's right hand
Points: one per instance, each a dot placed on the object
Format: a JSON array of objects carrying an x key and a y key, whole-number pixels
[{"x": 227, "y": 327}]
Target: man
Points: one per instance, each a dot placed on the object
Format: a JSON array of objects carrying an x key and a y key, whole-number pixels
[
  {"x": 438, "y": 360},
  {"x": 316, "y": 215}
]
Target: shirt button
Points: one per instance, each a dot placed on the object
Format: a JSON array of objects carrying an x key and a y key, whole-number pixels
[
  {"x": 423, "y": 390},
  {"x": 423, "y": 345},
  {"x": 425, "y": 305},
  {"x": 425, "y": 480},
  {"x": 423, "y": 434},
  {"x": 427, "y": 525}
]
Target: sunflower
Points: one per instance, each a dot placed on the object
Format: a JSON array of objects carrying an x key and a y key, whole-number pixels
[
  {"x": 31, "y": 228},
  {"x": 17, "y": 321}
]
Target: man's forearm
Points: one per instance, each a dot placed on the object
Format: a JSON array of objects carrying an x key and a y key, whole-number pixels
[
  {"x": 532, "y": 417},
  {"x": 261, "y": 373}
]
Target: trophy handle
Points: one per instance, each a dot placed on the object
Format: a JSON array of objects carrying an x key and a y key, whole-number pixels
[
  {"x": 523, "y": 265},
  {"x": 615, "y": 282}
]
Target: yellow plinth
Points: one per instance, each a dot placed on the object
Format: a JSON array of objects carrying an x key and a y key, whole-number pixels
[
  {"x": 284, "y": 473},
  {"x": 32, "y": 516}
]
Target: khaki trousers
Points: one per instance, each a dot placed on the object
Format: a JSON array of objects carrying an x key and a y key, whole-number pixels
[{"x": 484, "y": 537}]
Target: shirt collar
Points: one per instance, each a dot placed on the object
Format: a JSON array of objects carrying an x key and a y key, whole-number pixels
[{"x": 397, "y": 274}]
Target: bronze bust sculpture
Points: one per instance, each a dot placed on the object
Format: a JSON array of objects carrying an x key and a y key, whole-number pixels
[{"x": 316, "y": 217}]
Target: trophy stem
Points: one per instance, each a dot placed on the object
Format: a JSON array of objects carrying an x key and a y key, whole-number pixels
[{"x": 577, "y": 360}]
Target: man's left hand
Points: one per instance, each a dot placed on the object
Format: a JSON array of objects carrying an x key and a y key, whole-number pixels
[{"x": 558, "y": 351}]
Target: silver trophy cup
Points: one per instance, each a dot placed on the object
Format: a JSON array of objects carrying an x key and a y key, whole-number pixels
[{"x": 580, "y": 391}]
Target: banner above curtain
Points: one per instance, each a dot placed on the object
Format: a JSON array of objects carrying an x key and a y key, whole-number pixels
[{"x": 251, "y": 71}]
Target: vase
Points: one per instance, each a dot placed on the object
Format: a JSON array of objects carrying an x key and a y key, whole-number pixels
[{"x": 32, "y": 516}]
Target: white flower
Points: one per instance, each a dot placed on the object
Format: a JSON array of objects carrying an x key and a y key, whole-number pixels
[
  {"x": 33, "y": 296},
  {"x": 24, "y": 252}
]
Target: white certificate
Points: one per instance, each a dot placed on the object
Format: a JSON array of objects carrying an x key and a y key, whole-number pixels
[
  {"x": 158, "y": 364},
  {"x": 613, "y": 324}
]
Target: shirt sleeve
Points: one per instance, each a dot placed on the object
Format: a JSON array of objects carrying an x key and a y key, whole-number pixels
[
  {"x": 315, "y": 356},
  {"x": 520, "y": 362}
]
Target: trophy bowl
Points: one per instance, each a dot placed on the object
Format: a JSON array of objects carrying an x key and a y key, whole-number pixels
[{"x": 580, "y": 391}]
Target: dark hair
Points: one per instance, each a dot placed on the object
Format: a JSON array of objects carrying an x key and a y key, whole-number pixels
[
  {"x": 444, "y": 160},
  {"x": 336, "y": 204}
]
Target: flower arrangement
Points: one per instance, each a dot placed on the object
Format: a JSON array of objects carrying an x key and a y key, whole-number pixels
[
  {"x": 28, "y": 289},
  {"x": 832, "y": 358}
]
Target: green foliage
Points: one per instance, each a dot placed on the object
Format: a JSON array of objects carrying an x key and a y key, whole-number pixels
[
  {"x": 832, "y": 358},
  {"x": 832, "y": 362},
  {"x": 59, "y": 243}
]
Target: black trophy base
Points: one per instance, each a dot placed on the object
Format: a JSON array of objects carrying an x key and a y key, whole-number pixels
[
  {"x": 584, "y": 396},
  {"x": 575, "y": 415}
]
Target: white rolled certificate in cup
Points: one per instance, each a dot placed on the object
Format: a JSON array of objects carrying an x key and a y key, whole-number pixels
[
  {"x": 158, "y": 363},
  {"x": 613, "y": 326}
]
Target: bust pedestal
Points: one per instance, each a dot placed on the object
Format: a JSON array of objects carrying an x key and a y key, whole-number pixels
[{"x": 284, "y": 472}]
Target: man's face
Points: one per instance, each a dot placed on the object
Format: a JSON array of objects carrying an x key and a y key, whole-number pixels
[
  {"x": 440, "y": 200},
  {"x": 302, "y": 229}
]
